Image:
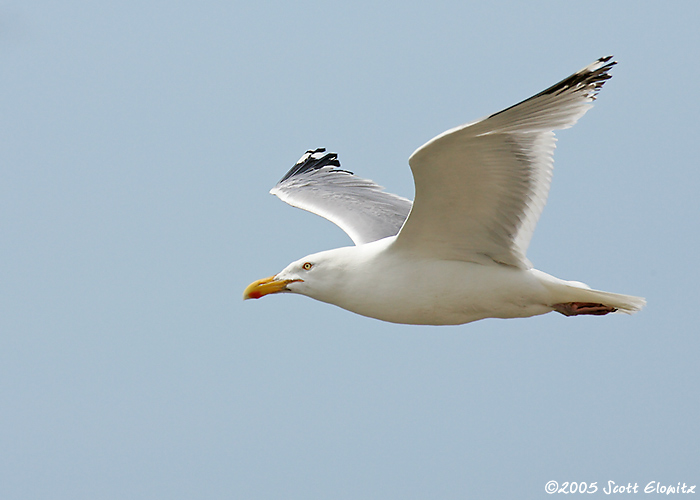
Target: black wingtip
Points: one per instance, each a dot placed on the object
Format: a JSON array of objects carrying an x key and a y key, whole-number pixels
[
  {"x": 595, "y": 74},
  {"x": 313, "y": 159}
]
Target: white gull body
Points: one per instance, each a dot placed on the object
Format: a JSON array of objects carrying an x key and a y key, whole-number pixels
[{"x": 457, "y": 253}]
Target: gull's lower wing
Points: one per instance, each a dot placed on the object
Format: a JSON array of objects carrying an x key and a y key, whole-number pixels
[
  {"x": 481, "y": 187},
  {"x": 358, "y": 206}
]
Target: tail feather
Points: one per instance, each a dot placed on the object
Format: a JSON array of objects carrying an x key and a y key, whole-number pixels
[
  {"x": 572, "y": 291},
  {"x": 627, "y": 304}
]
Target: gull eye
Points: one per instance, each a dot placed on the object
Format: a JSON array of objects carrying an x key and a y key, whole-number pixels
[{"x": 307, "y": 265}]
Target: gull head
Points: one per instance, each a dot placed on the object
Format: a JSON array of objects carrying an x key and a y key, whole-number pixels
[{"x": 318, "y": 275}]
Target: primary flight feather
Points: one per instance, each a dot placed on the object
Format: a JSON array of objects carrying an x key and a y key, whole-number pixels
[{"x": 457, "y": 253}]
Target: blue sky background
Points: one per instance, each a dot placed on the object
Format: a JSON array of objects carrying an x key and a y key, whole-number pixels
[{"x": 139, "y": 140}]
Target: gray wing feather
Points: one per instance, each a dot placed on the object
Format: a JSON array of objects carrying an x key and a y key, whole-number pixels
[
  {"x": 481, "y": 187},
  {"x": 358, "y": 206}
]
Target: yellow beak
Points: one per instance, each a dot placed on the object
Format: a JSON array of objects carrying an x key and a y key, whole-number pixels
[{"x": 265, "y": 286}]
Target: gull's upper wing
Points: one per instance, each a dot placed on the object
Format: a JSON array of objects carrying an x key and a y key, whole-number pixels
[
  {"x": 358, "y": 206},
  {"x": 481, "y": 187}
]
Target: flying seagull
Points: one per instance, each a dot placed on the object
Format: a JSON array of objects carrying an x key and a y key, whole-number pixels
[{"x": 455, "y": 254}]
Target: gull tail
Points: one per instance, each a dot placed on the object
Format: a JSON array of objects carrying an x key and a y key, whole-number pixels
[{"x": 572, "y": 298}]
